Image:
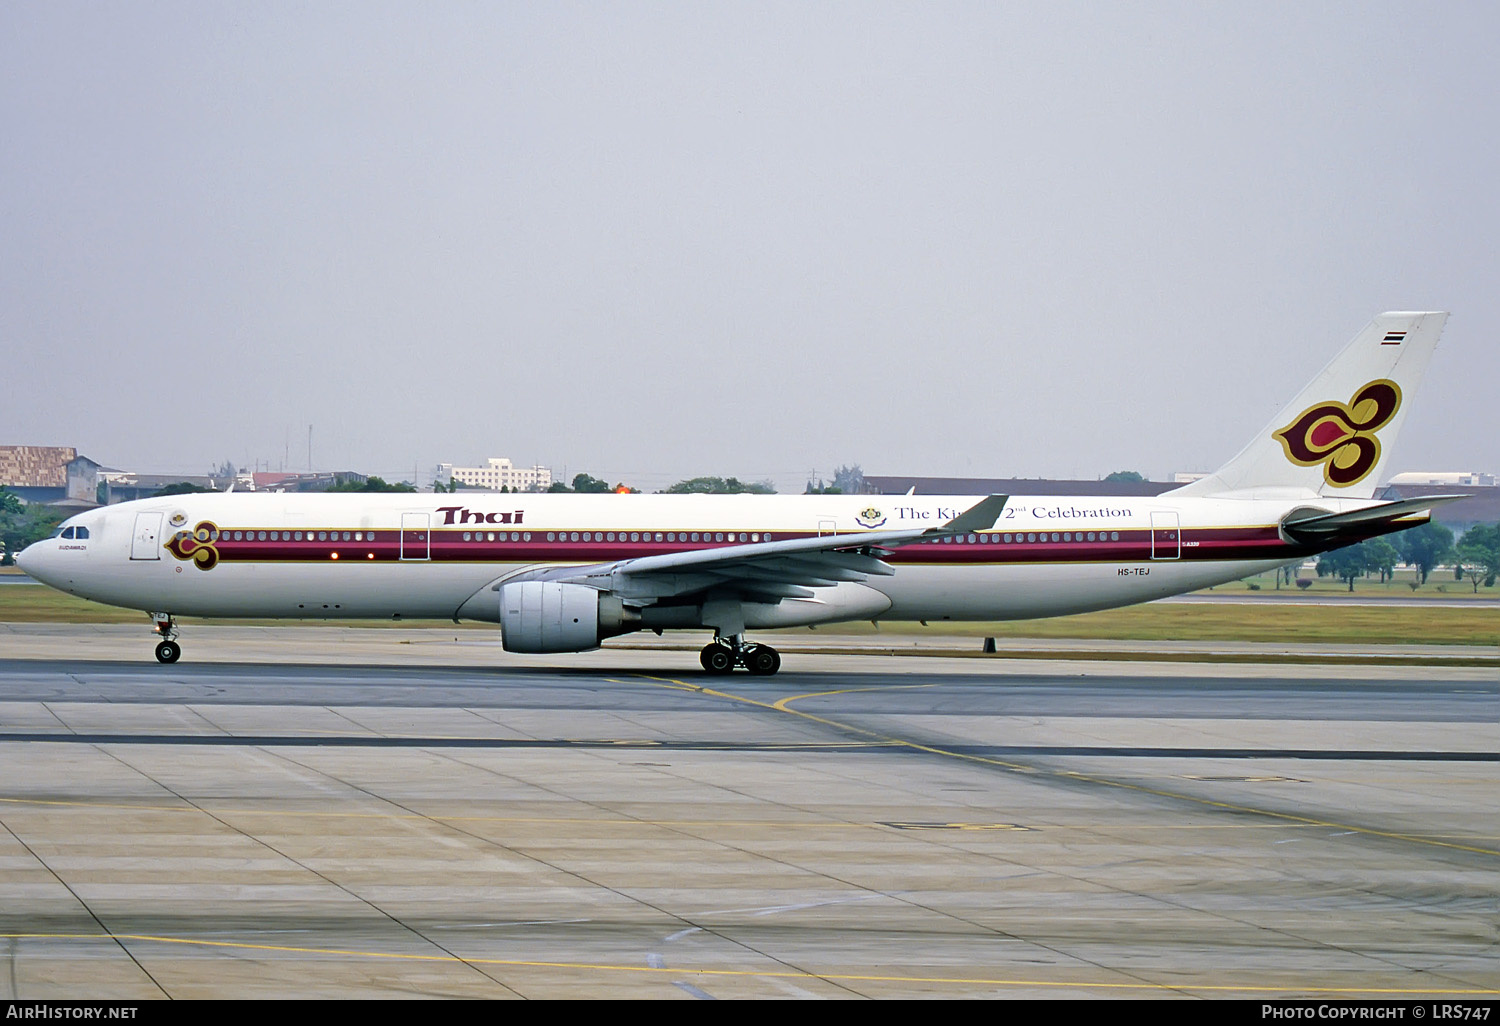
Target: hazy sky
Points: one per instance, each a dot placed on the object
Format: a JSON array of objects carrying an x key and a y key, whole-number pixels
[{"x": 653, "y": 241}]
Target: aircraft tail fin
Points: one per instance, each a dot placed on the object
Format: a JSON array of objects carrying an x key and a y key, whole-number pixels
[{"x": 1334, "y": 438}]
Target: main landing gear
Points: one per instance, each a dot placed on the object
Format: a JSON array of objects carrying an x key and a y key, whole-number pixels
[
  {"x": 167, "y": 650},
  {"x": 722, "y": 655}
]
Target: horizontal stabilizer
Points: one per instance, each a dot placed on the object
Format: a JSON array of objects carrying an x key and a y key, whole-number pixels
[{"x": 1309, "y": 524}]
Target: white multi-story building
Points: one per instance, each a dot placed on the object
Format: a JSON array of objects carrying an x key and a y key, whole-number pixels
[{"x": 497, "y": 473}]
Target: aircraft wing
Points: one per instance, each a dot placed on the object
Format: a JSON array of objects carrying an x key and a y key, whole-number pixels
[{"x": 765, "y": 571}]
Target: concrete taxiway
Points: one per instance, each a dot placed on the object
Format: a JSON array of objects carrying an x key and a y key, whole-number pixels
[{"x": 322, "y": 811}]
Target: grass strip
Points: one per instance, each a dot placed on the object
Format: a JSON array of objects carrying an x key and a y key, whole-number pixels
[{"x": 1242, "y": 621}]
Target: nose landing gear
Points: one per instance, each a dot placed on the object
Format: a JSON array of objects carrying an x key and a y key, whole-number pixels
[
  {"x": 722, "y": 655},
  {"x": 167, "y": 650}
]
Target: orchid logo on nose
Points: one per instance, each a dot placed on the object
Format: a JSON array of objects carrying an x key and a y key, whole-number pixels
[
  {"x": 1342, "y": 436},
  {"x": 197, "y": 545}
]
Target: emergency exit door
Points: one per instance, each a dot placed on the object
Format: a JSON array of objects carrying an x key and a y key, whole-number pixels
[
  {"x": 416, "y": 536},
  {"x": 1166, "y": 536}
]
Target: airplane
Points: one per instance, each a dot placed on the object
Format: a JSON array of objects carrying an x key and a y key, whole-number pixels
[{"x": 563, "y": 572}]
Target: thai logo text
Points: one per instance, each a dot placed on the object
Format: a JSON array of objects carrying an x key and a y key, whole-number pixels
[
  {"x": 1341, "y": 436},
  {"x": 461, "y": 515}
]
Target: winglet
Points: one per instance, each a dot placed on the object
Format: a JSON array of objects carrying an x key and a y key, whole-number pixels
[{"x": 979, "y": 517}]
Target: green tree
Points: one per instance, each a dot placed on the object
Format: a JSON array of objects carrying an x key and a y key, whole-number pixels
[
  {"x": 592, "y": 485},
  {"x": 1478, "y": 554},
  {"x": 1381, "y": 557},
  {"x": 374, "y": 484},
  {"x": 1425, "y": 547},
  {"x": 21, "y": 525},
  {"x": 1125, "y": 475},
  {"x": 1489, "y": 536},
  {"x": 720, "y": 486},
  {"x": 1346, "y": 564},
  {"x": 558, "y": 486},
  {"x": 181, "y": 488}
]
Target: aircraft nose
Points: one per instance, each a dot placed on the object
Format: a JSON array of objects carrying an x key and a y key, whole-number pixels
[{"x": 29, "y": 559}]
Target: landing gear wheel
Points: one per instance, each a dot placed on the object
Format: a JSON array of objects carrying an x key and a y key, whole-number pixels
[
  {"x": 762, "y": 660},
  {"x": 168, "y": 652},
  {"x": 716, "y": 658}
]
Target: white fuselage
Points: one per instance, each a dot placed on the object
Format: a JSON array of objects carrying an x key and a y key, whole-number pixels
[{"x": 426, "y": 556}]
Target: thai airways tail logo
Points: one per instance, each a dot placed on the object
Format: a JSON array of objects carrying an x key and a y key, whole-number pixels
[{"x": 1342, "y": 436}]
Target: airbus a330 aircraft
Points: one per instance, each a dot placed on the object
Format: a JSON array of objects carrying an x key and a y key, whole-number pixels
[{"x": 560, "y": 573}]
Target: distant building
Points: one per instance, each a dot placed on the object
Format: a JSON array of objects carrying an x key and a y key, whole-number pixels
[
  {"x": 303, "y": 481},
  {"x": 497, "y": 473},
  {"x": 124, "y": 486},
  {"x": 53, "y": 475},
  {"x": 36, "y": 473},
  {"x": 1481, "y": 507},
  {"x": 1446, "y": 477}
]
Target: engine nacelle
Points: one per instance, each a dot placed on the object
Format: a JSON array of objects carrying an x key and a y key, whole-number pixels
[{"x": 545, "y": 616}]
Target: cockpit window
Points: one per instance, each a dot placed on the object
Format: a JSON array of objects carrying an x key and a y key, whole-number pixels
[
  {"x": 80, "y": 532},
  {"x": 67, "y": 532}
]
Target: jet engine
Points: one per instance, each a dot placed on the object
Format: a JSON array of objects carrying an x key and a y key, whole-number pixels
[{"x": 547, "y": 616}]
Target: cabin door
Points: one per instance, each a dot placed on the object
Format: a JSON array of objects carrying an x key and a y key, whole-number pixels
[
  {"x": 147, "y": 533},
  {"x": 416, "y": 535}
]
